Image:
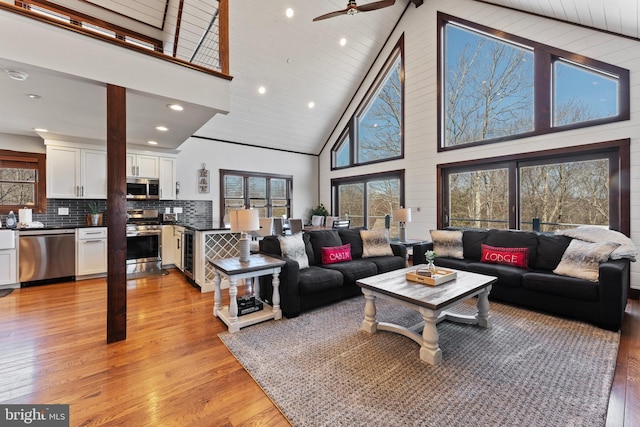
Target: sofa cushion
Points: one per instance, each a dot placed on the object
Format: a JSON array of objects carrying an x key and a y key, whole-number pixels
[
  {"x": 550, "y": 250},
  {"x": 447, "y": 243},
  {"x": 517, "y": 257},
  {"x": 352, "y": 237},
  {"x": 582, "y": 259},
  {"x": 317, "y": 279},
  {"x": 292, "y": 247},
  {"x": 564, "y": 286},
  {"x": 458, "y": 264},
  {"x": 507, "y": 275},
  {"x": 388, "y": 263},
  {"x": 270, "y": 245},
  {"x": 471, "y": 241},
  {"x": 515, "y": 239},
  {"x": 375, "y": 243},
  {"x": 323, "y": 239},
  {"x": 336, "y": 254},
  {"x": 354, "y": 270}
]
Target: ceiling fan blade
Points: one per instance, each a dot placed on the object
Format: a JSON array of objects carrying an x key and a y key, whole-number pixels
[
  {"x": 331, "y": 15},
  {"x": 375, "y": 5}
]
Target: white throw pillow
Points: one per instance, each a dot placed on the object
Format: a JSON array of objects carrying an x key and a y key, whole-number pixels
[
  {"x": 447, "y": 243},
  {"x": 375, "y": 243},
  {"x": 582, "y": 259},
  {"x": 292, "y": 247}
]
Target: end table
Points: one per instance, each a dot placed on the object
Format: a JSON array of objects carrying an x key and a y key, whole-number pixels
[{"x": 231, "y": 268}]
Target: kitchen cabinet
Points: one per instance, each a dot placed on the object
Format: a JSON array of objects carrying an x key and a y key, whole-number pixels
[
  {"x": 142, "y": 165},
  {"x": 167, "y": 178},
  {"x": 178, "y": 232},
  {"x": 75, "y": 173},
  {"x": 169, "y": 246},
  {"x": 91, "y": 252},
  {"x": 8, "y": 259}
]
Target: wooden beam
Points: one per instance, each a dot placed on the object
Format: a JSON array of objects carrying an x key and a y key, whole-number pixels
[
  {"x": 116, "y": 214},
  {"x": 223, "y": 35}
]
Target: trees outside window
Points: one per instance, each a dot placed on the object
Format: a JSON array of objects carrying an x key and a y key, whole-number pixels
[
  {"x": 375, "y": 132},
  {"x": 545, "y": 191},
  {"x": 22, "y": 182},
  {"x": 367, "y": 199},
  {"x": 496, "y": 86}
]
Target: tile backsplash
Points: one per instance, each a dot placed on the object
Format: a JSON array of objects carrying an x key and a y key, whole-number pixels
[{"x": 200, "y": 211}]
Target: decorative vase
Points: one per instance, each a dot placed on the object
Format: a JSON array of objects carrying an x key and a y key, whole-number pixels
[
  {"x": 95, "y": 219},
  {"x": 431, "y": 267}
]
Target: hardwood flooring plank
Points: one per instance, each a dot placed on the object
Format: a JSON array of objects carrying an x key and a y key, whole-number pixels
[{"x": 172, "y": 369}]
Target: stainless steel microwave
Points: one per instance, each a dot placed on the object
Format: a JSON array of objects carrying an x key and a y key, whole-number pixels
[{"x": 143, "y": 189}]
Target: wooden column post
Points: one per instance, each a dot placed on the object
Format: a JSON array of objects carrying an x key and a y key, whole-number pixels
[{"x": 116, "y": 214}]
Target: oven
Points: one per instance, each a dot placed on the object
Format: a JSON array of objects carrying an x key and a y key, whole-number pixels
[{"x": 144, "y": 237}]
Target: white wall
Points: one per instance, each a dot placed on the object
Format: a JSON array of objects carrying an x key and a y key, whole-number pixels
[
  {"x": 220, "y": 155},
  {"x": 419, "y": 26}
]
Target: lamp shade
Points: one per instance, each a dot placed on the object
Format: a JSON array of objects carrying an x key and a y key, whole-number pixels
[
  {"x": 402, "y": 215},
  {"x": 243, "y": 220}
]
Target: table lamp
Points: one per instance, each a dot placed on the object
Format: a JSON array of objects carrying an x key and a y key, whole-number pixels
[
  {"x": 244, "y": 220},
  {"x": 402, "y": 215}
]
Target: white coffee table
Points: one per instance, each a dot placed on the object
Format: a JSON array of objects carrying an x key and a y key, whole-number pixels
[{"x": 430, "y": 301}]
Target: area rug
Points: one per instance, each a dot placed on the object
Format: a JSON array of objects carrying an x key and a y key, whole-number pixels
[{"x": 528, "y": 369}]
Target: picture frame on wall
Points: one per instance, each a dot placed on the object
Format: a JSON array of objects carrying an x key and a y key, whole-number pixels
[{"x": 203, "y": 180}]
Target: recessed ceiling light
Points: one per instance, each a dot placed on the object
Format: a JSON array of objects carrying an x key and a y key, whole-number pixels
[
  {"x": 162, "y": 128},
  {"x": 176, "y": 107},
  {"x": 311, "y": 104},
  {"x": 343, "y": 41},
  {"x": 152, "y": 142},
  {"x": 17, "y": 75},
  {"x": 289, "y": 12},
  {"x": 40, "y": 130},
  {"x": 34, "y": 96},
  {"x": 262, "y": 90}
]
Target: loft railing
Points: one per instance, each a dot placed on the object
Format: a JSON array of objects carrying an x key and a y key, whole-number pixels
[{"x": 192, "y": 37}]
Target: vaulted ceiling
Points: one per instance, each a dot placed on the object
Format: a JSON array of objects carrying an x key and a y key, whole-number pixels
[{"x": 296, "y": 60}]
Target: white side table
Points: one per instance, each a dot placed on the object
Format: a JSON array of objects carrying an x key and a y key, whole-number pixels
[{"x": 234, "y": 270}]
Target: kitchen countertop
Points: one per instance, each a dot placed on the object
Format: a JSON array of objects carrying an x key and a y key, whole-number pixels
[{"x": 195, "y": 226}]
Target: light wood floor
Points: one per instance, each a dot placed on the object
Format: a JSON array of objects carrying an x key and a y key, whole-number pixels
[{"x": 172, "y": 370}]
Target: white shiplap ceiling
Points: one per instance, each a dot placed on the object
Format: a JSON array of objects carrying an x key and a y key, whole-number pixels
[{"x": 298, "y": 61}]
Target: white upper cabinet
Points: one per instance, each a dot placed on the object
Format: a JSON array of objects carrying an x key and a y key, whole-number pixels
[
  {"x": 74, "y": 173},
  {"x": 167, "y": 178},
  {"x": 143, "y": 166}
]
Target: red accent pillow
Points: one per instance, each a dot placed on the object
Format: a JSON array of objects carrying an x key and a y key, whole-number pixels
[
  {"x": 334, "y": 254},
  {"x": 518, "y": 257}
]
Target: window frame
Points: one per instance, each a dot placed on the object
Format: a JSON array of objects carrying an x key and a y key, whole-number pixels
[
  {"x": 247, "y": 200},
  {"x": 544, "y": 59},
  {"x": 351, "y": 129},
  {"x": 364, "y": 179},
  {"x": 619, "y": 193},
  {"x": 39, "y": 162}
]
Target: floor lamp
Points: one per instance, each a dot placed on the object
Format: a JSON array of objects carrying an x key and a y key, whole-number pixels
[
  {"x": 243, "y": 221},
  {"x": 402, "y": 215}
]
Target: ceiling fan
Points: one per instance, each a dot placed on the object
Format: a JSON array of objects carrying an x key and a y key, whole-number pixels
[{"x": 353, "y": 8}]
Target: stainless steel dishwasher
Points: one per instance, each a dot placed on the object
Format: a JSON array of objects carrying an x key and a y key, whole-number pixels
[{"x": 46, "y": 255}]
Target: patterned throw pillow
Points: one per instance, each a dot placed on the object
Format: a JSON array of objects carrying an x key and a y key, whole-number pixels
[
  {"x": 336, "y": 254},
  {"x": 582, "y": 259},
  {"x": 447, "y": 243},
  {"x": 292, "y": 247},
  {"x": 375, "y": 243},
  {"x": 517, "y": 257}
]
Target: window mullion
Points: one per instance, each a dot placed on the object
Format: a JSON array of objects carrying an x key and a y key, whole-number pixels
[{"x": 543, "y": 87}]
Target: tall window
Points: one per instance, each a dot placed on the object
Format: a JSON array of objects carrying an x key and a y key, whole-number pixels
[
  {"x": 367, "y": 199},
  {"x": 543, "y": 191},
  {"x": 270, "y": 194},
  {"x": 374, "y": 133},
  {"x": 497, "y": 86},
  {"x": 22, "y": 181}
]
